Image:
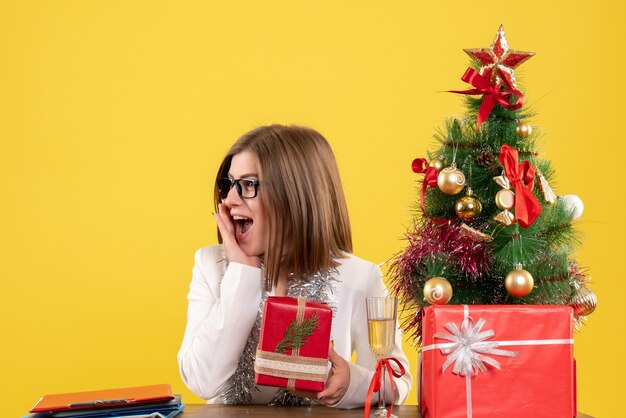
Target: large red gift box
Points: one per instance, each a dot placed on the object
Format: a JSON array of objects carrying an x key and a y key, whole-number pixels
[
  {"x": 293, "y": 346},
  {"x": 500, "y": 361}
]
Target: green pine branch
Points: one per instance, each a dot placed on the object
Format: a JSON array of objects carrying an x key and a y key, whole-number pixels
[{"x": 296, "y": 334}]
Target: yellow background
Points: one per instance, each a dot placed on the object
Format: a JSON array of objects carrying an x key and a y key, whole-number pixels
[{"x": 114, "y": 116}]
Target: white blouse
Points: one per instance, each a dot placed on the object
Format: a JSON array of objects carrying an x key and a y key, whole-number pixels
[{"x": 223, "y": 306}]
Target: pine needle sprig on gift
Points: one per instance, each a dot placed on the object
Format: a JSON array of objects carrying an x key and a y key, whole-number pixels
[{"x": 297, "y": 333}]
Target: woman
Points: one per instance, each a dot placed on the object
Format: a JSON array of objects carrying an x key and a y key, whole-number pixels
[{"x": 284, "y": 230}]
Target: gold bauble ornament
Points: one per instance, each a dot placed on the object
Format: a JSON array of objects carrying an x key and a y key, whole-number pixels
[
  {"x": 523, "y": 129},
  {"x": 468, "y": 208},
  {"x": 505, "y": 199},
  {"x": 585, "y": 301},
  {"x": 437, "y": 291},
  {"x": 519, "y": 282},
  {"x": 451, "y": 180},
  {"x": 437, "y": 163}
]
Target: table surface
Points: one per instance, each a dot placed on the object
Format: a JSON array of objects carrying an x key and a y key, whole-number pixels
[{"x": 204, "y": 411}]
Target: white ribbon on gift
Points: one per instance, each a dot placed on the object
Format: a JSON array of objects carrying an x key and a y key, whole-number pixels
[{"x": 469, "y": 351}]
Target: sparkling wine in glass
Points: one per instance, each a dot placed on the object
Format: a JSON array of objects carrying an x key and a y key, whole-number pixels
[{"x": 381, "y": 322}]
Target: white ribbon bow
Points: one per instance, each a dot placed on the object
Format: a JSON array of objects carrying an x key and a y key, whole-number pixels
[{"x": 469, "y": 348}]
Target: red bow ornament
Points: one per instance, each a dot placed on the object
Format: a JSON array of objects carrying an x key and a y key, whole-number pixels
[
  {"x": 491, "y": 95},
  {"x": 522, "y": 178},
  {"x": 420, "y": 166}
]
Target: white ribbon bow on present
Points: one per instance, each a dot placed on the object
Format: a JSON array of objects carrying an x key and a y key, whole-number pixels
[{"x": 469, "y": 351}]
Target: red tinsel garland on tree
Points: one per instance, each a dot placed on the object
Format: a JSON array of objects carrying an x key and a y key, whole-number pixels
[{"x": 427, "y": 241}]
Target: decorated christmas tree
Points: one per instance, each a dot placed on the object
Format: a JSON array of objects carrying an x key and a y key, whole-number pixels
[{"x": 488, "y": 228}]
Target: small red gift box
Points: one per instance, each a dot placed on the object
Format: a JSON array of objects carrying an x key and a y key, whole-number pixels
[
  {"x": 293, "y": 346},
  {"x": 497, "y": 361}
]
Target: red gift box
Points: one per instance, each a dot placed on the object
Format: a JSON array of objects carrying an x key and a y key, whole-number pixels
[
  {"x": 293, "y": 346},
  {"x": 500, "y": 361}
]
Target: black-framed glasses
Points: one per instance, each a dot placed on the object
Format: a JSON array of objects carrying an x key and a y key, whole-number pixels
[{"x": 246, "y": 188}]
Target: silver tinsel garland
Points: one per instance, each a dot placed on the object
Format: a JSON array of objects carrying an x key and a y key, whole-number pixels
[{"x": 240, "y": 386}]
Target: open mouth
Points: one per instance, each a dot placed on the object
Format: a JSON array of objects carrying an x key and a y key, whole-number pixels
[{"x": 242, "y": 225}]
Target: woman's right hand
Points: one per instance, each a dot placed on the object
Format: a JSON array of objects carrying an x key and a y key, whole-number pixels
[{"x": 234, "y": 253}]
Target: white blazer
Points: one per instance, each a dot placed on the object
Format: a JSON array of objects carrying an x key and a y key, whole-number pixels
[{"x": 223, "y": 306}]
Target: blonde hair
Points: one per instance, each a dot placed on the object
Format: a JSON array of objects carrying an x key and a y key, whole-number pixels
[{"x": 302, "y": 195}]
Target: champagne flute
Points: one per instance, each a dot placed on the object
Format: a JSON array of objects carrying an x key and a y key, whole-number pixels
[{"x": 381, "y": 321}]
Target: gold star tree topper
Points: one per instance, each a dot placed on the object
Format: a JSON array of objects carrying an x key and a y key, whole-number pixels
[{"x": 498, "y": 61}]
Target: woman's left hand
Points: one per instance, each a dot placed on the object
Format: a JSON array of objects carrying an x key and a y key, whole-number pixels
[{"x": 337, "y": 383}]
